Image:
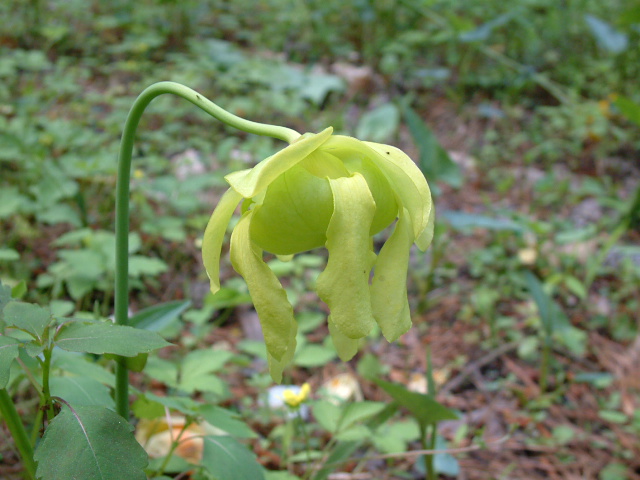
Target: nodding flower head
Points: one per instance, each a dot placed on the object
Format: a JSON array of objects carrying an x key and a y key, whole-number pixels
[{"x": 329, "y": 191}]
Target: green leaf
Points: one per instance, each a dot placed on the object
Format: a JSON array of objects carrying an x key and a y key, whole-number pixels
[
  {"x": 353, "y": 434},
  {"x": 78, "y": 364},
  {"x": 607, "y": 37},
  {"x": 314, "y": 356},
  {"x": 5, "y": 297},
  {"x": 423, "y": 407},
  {"x": 226, "y": 458},
  {"x": 100, "y": 338},
  {"x": 483, "y": 31},
  {"x": 197, "y": 371},
  {"x": 81, "y": 391},
  {"x": 435, "y": 162},
  {"x": 8, "y": 255},
  {"x": 139, "y": 266},
  {"x": 358, "y": 412},
  {"x": 28, "y": 317},
  {"x": 327, "y": 415},
  {"x": 8, "y": 352},
  {"x": 158, "y": 317},
  {"x": 628, "y": 108},
  {"x": 379, "y": 124},
  {"x": 19, "y": 290},
  {"x": 227, "y": 421},
  {"x": 98, "y": 444}
]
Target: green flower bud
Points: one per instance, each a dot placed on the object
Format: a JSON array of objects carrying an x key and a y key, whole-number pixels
[{"x": 333, "y": 191}]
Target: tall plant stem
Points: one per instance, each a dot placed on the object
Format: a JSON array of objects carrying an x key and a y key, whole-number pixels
[
  {"x": 122, "y": 197},
  {"x": 19, "y": 434}
]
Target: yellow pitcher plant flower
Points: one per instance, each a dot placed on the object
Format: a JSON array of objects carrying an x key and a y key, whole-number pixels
[{"x": 333, "y": 191}]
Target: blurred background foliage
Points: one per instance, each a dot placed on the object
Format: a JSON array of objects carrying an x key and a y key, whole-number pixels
[{"x": 523, "y": 115}]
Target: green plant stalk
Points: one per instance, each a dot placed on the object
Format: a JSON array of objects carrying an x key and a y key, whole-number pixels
[
  {"x": 46, "y": 391},
  {"x": 593, "y": 267},
  {"x": 122, "y": 198},
  {"x": 19, "y": 434}
]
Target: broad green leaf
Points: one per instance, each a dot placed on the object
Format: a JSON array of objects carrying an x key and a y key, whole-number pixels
[
  {"x": 316, "y": 87},
  {"x": 227, "y": 421},
  {"x": 81, "y": 391},
  {"x": 226, "y": 458},
  {"x": 327, "y": 415},
  {"x": 607, "y": 37},
  {"x": 628, "y": 108},
  {"x": 463, "y": 220},
  {"x": 483, "y": 31},
  {"x": 8, "y": 255},
  {"x": 102, "y": 338},
  {"x": 5, "y": 297},
  {"x": 349, "y": 246},
  {"x": 353, "y": 434},
  {"x": 434, "y": 162},
  {"x": 158, "y": 317},
  {"x": 196, "y": 371},
  {"x": 28, "y": 317},
  {"x": 183, "y": 405},
  {"x": 90, "y": 443},
  {"x": 8, "y": 352},
  {"x": 379, "y": 124},
  {"x": 140, "y": 265},
  {"x": 78, "y": 364},
  {"x": 313, "y": 356},
  {"x": 341, "y": 452},
  {"x": 358, "y": 412},
  {"x": 423, "y": 407}
]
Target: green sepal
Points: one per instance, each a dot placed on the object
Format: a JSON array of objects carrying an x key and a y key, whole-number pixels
[{"x": 214, "y": 235}]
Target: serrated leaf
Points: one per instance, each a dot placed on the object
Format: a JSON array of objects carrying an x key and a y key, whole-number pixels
[
  {"x": 423, "y": 407},
  {"x": 157, "y": 317},
  {"x": 8, "y": 352},
  {"x": 81, "y": 391},
  {"x": 28, "y": 317},
  {"x": 102, "y": 338},
  {"x": 98, "y": 445},
  {"x": 226, "y": 458}
]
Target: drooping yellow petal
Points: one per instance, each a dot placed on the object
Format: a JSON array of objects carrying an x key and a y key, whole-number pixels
[
  {"x": 255, "y": 180},
  {"x": 345, "y": 346},
  {"x": 214, "y": 235},
  {"x": 425, "y": 238},
  {"x": 389, "y": 286},
  {"x": 269, "y": 298},
  {"x": 276, "y": 367},
  {"x": 408, "y": 182},
  {"x": 344, "y": 284}
]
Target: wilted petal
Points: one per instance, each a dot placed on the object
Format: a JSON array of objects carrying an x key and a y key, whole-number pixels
[
  {"x": 276, "y": 367},
  {"x": 409, "y": 184},
  {"x": 389, "y": 286},
  {"x": 269, "y": 298},
  {"x": 344, "y": 284},
  {"x": 345, "y": 346},
  {"x": 214, "y": 235},
  {"x": 255, "y": 180}
]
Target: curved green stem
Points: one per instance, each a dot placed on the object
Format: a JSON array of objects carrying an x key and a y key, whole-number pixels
[
  {"x": 122, "y": 197},
  {"x": 19, "y": 434}
]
